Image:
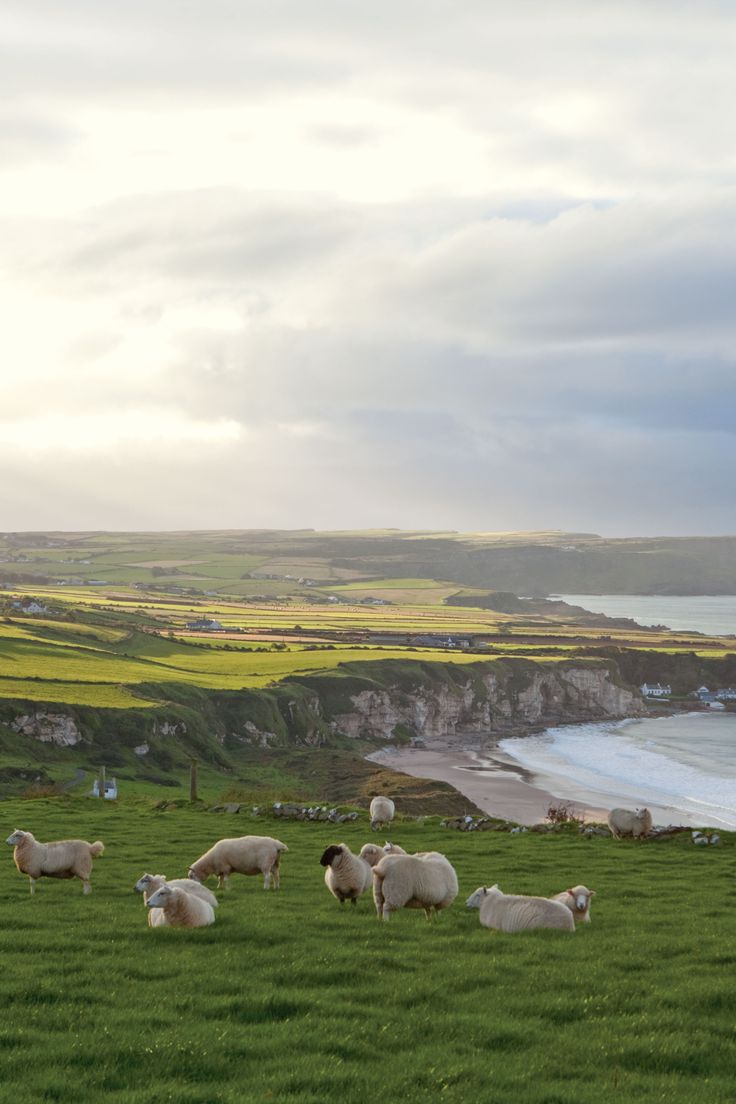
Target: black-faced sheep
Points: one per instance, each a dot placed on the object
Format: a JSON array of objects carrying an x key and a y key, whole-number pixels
[
  {"x": 382, "y": 812},
  {"x": 514, "y": 913},
  {"x": 625, "y": 822},
  {"x": 577, "y": 900},
  {"x": 241, "y": 855},
  {"x": 347, "y": 876},
  {"x": 427, "y": 881},
  {"x": 172, "y": 907},
  {"x": 59, "y": 859}
]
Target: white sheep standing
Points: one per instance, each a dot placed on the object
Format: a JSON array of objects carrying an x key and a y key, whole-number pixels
[
  {"x": 173, "y": 907},
  {"x": 59, "y": 859},
  {"x": 515, "y": 913},
  {"x": 625, "y": 822},
  {"x": 382, "y": 812},
  {"x": 427, "y": 881},
  {"x": 240, "y": 855},
  {"x": 148, "y": 884},
  {"x": 577, "y": 900},
  {"x": 347, "y": 876},
  {"x": 373, "y": 854}
]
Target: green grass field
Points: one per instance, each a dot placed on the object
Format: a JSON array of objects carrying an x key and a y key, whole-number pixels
[{"x": 290, "y": 997}]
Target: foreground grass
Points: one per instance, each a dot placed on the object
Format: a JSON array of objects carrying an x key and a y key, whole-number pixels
[{"x": 290, "y": 997}]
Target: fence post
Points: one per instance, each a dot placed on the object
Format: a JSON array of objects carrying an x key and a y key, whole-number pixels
[{"x": 102, "y": 783}]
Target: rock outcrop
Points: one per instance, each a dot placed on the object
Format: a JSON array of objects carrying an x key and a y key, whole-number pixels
[{"x": 49, "y": 728}]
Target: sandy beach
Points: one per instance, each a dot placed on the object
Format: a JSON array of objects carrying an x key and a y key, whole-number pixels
[{"x": 501, "y": 787}]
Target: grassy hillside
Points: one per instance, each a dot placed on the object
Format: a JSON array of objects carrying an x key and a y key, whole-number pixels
[{"x": 290, "y": 997}]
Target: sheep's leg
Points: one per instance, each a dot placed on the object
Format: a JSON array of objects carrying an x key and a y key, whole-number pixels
[
  {"x": 386, "y": 911},
  {"x": 428, "y": 912},
  {"x": 267, "y": 879},
  {"x": 276, "y": 874},
  {"x": 33, "y": 884},
  {"x": 353, "y": 900},
  {"x": 87, "y": 888}
]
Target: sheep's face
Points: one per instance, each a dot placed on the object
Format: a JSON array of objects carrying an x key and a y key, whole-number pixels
[
  {"x": 475, "y": 899},
  {"x": 581, "y": 897},
  {"x": 160, "y": 897},
  {"x": 143, "y": 883},
  {"x": 194, "y": 877},
  {"x": 333, "y": 852},
  {"x": 16, "y": 838},
  {"x": 642, "y": 814}
]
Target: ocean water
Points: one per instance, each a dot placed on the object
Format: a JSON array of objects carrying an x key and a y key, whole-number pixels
[
  {"x": 684, "y": 765},
  {"x": 707, "y": 613}
]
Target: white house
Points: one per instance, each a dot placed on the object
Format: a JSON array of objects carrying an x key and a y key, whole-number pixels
[{"x": 656, "y": 690}]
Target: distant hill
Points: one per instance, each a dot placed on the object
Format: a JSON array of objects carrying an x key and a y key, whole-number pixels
[{"x": 305, "y": 562}]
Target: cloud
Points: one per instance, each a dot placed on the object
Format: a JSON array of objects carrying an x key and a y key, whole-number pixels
[{"x": 424, "y": 264}]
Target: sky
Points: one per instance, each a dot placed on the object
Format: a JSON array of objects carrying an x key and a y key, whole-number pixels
[{"x": 421, "y": 263}]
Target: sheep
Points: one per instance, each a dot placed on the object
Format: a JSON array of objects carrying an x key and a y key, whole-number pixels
[
  {"x": 510, "y": 913},
  {"x": 624, "y": 822},
  {"x": 347, "y": 876},
  {"x": 241, "y": 855},
  {"x": 147, "y": 884},
  {"x": 174, "y": 907},
  {"x": 382, "y": 812},
  {"x": 373, "y": 854},
  {"x": 427, "y": 881},
  {"x": 577, "y": 900},
  {"x": 59, "y": 859}
]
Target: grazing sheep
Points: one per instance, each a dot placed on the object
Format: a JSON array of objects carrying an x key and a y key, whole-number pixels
[
  {"x": 346, "y": 875},
  {"x": 577, "y": 900},
  {"x": 624, "y": 822},
  {"x": 373, "y": 854},
  {"x": 382, "y": 812},
  {"x": 241, "y": 855},
  {"x": 173, "y": 907},
  {"x": 511, "y": 913},
  {"x": 60, "y": 859},
  {"x": 147, "y": 884},
  {"x": 427, "y": 881}
]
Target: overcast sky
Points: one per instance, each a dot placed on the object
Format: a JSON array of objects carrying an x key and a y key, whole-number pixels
[{"x": 420, "y": 263}]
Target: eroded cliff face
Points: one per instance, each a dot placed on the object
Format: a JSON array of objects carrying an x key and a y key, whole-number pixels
[
  {"x": 48, "y": 728},
  {"x": 490, "y": 705}
]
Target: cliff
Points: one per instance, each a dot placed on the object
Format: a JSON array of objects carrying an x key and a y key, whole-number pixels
[{"x": 374, "y": 702}]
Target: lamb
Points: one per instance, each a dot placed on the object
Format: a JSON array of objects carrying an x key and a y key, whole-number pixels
[
  {"x": 59, "y": 859},
  {"x": 577, "y": 900},
  {"x": 511, "y": 913},
  {"x": 427, "y": 881},
  {"x": 147, "y": 884},
  {"x": 173, "y": 907},
  {"x": 624, "y": 822},
  {"x": 373, "y": 854},
  {"x": 241, "y": 855},
  {"x": 347, "y": 876},
  {"x": 382, "y": 812}
]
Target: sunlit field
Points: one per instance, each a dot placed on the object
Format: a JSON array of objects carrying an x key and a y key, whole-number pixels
[{"x": 289, "y": 996}]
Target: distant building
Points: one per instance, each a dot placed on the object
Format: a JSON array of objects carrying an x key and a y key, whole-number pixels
[
  {"x": 111, "y": 789},
  {"x": 204, "y": 624},
  {"x": 29, "y": 605},
  {"x": 710, "y": 697},
  {"x": 655, "y": 690}
]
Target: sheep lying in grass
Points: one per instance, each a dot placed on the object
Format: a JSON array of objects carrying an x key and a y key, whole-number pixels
[
  {"x": 60, "y": 859},
  {"x": 173, "y": 907},
  {"x": 147, "y": 884},
  {"x": 427, "y": 881},
  {"x": 373, "y": 854},
  {"x": 241, "y": 855},
  {"x": 382, "y": 812},
  {"x": 511, "y": 913},
  {"x": 624, "y": 822},
  {"x": 577, "y": 900},
  {"x": 347, "y": 876}
]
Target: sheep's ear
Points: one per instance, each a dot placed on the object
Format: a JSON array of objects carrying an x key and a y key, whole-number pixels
[
  {"x": 592, "y": 892},
  {"x": 570, "y": 892}
]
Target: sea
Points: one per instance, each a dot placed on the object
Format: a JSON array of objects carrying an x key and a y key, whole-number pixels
[
  {"x": 714, "y": 614},
  {"x": 684, "y": 765}
]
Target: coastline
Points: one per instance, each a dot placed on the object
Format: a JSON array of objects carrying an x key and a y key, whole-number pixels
[{"x": 502, "y": 787}]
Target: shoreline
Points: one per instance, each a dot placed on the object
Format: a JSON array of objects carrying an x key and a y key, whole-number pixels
[{"x": 502, "y": 787}]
